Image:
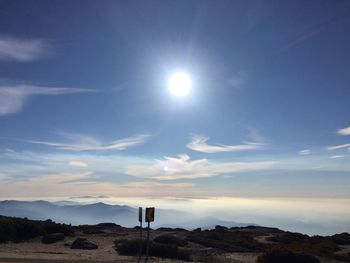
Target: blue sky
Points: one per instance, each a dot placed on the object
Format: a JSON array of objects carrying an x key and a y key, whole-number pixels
[{"x": 85, "y": 108}]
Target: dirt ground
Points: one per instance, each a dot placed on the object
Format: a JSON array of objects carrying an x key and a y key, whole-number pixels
[{"x": 34, "y": 251}]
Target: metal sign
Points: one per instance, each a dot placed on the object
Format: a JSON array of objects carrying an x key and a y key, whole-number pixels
[
  {"x": 140, "y": 214},
  {"x": 149, "y": 214}
]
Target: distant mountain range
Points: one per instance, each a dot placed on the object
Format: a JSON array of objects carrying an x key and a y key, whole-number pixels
[{"x": 78, "y": 214}]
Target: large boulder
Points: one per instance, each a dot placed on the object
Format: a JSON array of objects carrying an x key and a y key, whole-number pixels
[
  {"x": 52, "y": 238},
  {"x": 83, "y": 243}
]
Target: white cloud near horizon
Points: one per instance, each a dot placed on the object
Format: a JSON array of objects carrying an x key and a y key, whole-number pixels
[
  {"x": 304, "y": 152},
  {"x": 199, "y": 144},
  {"x": 181, "y": 167},
  {"x": 22, "y": 50},
  {"x": 344, "y": 131},
  {"x": 14, "y": 97},
  {"x": 80, "y": 142}
]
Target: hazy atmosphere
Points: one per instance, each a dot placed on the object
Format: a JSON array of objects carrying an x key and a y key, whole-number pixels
[{"x": 226, "y": 110}]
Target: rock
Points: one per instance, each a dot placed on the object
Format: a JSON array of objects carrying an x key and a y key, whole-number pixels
[
  {"x": 52, "y": 238},
  {"x": 83, "y": 243}
]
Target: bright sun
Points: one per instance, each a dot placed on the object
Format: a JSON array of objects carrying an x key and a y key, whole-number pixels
[{"x": 180, "y": 84}]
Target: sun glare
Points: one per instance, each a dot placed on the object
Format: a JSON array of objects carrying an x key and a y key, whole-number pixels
[{"x": 180, "y": 84}]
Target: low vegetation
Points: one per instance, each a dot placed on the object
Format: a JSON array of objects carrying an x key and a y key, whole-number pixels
[
  {"x": 169, "y": 239},
  {"x": 131, "y": 247},
  {"x": 284, "y": 256},
  {"x": 323, "y": 246},
  {"x": 228, "y": 240},
  {"x": 180, "y": 244},
  {"x": 18, "y": 229}
]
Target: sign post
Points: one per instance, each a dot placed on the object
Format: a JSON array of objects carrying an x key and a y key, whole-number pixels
[
  {"x": 141, "y": 245},
  {"x": 149, "y": 217}
]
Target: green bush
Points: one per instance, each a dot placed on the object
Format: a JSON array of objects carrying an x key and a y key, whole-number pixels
[
  {"x": 169, "y": 239},
  {"x": 16, "y": 230},
  {"x": 51, "y": 228},
  {"x": 341, "y": 239},
  {"x": 131, "y": 247},
  {"x": 236, "y": 241},
  {"x": 283, "y": 256}
]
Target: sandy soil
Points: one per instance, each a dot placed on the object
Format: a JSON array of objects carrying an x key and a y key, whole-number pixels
[{"x": 344, "y": 250}]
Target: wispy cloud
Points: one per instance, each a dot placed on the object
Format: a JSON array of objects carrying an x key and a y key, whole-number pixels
[
  {"x": 199, "y": 144},
  {"x": 75, "y": 163},
  {"x": 305, "y": 152},
  {"x": 23, "y": 50},
  {"x": 172, "y": 168},
  {"x": 344, "y": 131},
  {"x": 14, "y": 97},
  {"x": 156, "y": 184},
  {"x": 80, "y": 142},
  {"x": 337, "y": 147},
  {"x": 336, "y": 156}
]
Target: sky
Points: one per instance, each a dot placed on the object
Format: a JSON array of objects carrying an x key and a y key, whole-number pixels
[{"x": 85, "y": 107}]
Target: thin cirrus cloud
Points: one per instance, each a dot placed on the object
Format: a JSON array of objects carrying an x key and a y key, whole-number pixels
[
  {"x": 22, "y": 50},
  {"x": 181, "y": 167},
  {"x": 76, "y": 163},
  {"x": 336, "y": 156},
  {"x": 345, "y": 132},
  {"x": 305, "y": 152},
  {"x": 14, "y": 97},
  {"x": 199, "y": 144},
  {"x": 80, "y": 142},
  {"x": 337, "y": 147}
]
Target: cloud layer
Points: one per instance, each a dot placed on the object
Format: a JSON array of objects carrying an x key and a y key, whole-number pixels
[
  {"x": 199, "y": 144},
  {"x": 23, "y": 50},
  {"x": 85, "y": 183},
  {"x": 14, "y": 97},
  {"x": 181, "y": 167}
]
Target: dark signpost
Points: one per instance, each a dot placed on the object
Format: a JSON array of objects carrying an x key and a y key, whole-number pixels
[
  {"x": 149, "y": 214},
  {"x": 149, "y": 217},
  {"x": 140, "y": 220}
]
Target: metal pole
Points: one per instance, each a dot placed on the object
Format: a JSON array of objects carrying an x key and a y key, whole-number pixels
[
  {"x": 141, "y": 245},
  {"x": 147, "y": 248}
]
